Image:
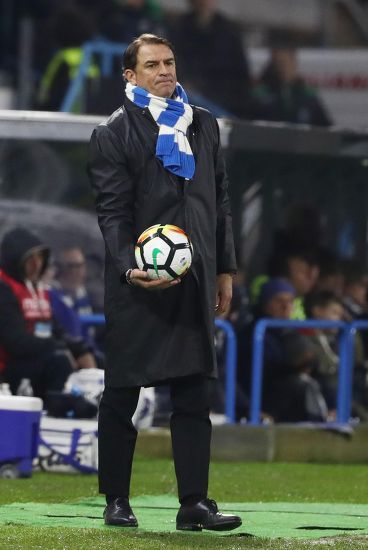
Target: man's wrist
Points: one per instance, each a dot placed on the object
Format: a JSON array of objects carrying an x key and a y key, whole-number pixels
[
  {"x": 230, "y": 273},
  {"x": 128, "y": 276}
]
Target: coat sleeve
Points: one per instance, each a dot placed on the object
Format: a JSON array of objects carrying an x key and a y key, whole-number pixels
[
  {"x": 114, "y": 197},
  {"x": 225, "y": 250}
]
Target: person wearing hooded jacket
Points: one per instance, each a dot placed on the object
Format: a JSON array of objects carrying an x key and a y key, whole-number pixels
[{"x": 30, "y": 344}]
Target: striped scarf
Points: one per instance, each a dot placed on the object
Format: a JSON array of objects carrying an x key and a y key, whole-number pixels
[{"x": 173, "y": 117}]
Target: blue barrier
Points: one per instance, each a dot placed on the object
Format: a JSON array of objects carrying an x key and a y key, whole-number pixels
[
  {"x": 346, "y": 354},
  {"x": 231, "y": 356},
  {"x": 230, "y": 368},
  {"x": 354, "y": 326},
  {"x": 107, "y": 51}
]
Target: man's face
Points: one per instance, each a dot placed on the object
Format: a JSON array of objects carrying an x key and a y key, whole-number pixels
[
  {"x": 73, "y": 268},
  {"x": 33, "y": 266},
  {"x": 302, "y": 275},
  {"x": 280, "y": 306},
  {"x": 331, "y": 312},
  {"x": 155, "y": 70},
  {"x": 285, "y": 64},
  {"x": 357, "y": 291}
]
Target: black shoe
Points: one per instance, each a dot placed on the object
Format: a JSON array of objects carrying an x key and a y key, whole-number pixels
[
  {"x": 205, "y": 515},
  {"x": 119, "y": 512}
]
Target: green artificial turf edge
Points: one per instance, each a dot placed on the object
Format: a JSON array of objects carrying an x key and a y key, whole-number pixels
[
  {"x": 29, "y": 538},
  {"x": 229, "y": 482}
]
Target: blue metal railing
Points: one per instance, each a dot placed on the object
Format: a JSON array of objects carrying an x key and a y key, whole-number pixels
[
  {"x": 350, "y": 346},
  {"x": 347, "y": 333},
  {"x": 230, "y": 363},
  {"x": 230, "y": 368},
  {"x": 346, "y": 355},
  {"x": 106, "y": 51}
]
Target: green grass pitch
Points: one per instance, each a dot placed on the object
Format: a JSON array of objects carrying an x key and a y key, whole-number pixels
[{"x": 229, "y": 482}]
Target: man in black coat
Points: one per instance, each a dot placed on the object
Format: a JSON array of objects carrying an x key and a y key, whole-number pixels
[{"x": 159, "y": 331}]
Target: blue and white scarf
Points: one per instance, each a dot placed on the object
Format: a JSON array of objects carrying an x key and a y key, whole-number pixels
[{"x": 173, "y": 117}]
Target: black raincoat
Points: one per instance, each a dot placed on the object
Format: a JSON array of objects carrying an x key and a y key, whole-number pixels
[{"x": 155, "y": 336}]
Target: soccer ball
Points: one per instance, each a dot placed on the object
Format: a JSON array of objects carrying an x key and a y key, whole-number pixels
[{"x": 164, "y": 251}]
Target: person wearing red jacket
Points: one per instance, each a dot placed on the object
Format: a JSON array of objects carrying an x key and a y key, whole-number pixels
[{"x": 29, "y": 345}]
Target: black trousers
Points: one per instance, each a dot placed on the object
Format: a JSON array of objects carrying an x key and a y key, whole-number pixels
[{"x": 190, "y": 435}]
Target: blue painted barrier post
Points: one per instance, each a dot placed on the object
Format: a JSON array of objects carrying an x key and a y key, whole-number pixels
[
  {"x": 257, "y": 371},
  {"x": 346, "y": 370},
  {"x": 345, "y": 374},
  {"x": 230, "y": 366}
]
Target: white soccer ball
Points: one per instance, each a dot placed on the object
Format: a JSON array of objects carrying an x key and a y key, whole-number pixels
[{"x": 164, "y": 251}]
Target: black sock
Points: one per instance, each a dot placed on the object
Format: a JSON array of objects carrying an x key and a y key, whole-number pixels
[
  {"x": 111, "y": 498},
  {"x": 190, "y": 500}
]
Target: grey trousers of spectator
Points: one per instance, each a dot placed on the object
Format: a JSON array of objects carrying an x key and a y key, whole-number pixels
[{"x": 190, "y": 434}]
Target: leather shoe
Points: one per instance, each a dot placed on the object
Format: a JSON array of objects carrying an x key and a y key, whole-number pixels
[
  {"x": 205, "y": 515},
  {"x": 118, "y": 512}
]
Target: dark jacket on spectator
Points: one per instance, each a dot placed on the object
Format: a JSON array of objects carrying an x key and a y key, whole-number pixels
[
  {"x": 293, "y": 102},
  {"x": 17, "y": 338},
  {"x": 18, "y": 330}
]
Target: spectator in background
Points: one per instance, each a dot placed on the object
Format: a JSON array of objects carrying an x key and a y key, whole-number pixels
[
  {"x": 12, "y": 14},
  {"x": 298, "y": 267},
  {"x": 62, "y": 308},
  {"x": 124, "y": 20},
  {"x": 211, "y": 57},
  {"x": 70, "y": 27},
  {"x": 355, "y": 290},
  {"x": 296, "y": 253},
  {"x": 324, "y": 305},
  {"x": 30, "y": 345},
  {"x": 120, "y": 21},
  {"x": 71, "y": 276},
  {"x": 70, "y": 299},
  {"x": 331, "y": 276},
  {"x": 283, "y": 95},
  {"x": 295, "y": 265},
  {"x": 290, "y": 394}
]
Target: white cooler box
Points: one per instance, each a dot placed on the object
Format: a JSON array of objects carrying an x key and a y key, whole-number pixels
[{"x": 68, "y": 445}]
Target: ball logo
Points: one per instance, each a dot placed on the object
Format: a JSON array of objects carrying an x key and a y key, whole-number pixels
[{"x": 155, "y": 253}]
